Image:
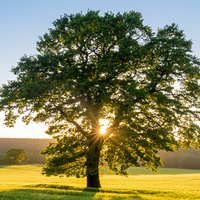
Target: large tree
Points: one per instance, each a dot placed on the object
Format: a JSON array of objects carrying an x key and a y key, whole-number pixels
[
  {"x": 16, "y": 156},
  {"x": 91, "y": 67}
]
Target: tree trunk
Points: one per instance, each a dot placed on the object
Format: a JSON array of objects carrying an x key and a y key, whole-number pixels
[
  {"x": 92, "y": 164},
  {"x": 95, "y": 141},
  {"x": 93, "y": 181}
]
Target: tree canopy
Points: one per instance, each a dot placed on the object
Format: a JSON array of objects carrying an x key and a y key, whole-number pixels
[
  {"x": 15, "y": 156},
  {"x": 112, "y": 67}
]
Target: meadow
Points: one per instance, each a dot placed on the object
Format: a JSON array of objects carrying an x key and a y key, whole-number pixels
[{"x": 25, "y": 182}]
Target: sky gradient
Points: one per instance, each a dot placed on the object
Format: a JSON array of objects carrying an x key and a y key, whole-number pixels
[{"x": 23, "y": 21}]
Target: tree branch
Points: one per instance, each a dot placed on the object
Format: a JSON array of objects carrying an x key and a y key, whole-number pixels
[{"x": 79, "y": 128}]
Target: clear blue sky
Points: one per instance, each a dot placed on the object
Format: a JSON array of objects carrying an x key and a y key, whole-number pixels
[{"x": 22, "y": 21}]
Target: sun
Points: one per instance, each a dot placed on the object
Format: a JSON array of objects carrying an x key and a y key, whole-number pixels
[
  {"x": 104, "y": 125},
  {"x": 102, "y": 130}
]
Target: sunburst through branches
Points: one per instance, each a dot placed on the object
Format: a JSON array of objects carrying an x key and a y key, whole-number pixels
[{"x": 104, "y": 125}]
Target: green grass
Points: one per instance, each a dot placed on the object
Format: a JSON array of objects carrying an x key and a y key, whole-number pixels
[{"x": 25, "y": 182}]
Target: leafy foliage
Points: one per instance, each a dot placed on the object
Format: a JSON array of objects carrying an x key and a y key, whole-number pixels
[
  {"x": 16, "y": 156},
  {"x": 112, "y": 67}
]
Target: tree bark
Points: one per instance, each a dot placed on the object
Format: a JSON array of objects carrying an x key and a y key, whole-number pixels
[
  {"x": 92, "y": 164},
  {"x": 95, "y": 141},
  {"x": 93, "y": 181}
]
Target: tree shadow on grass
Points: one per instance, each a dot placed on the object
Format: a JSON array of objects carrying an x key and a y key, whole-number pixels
[
  {"x": 97, "y": 194},
  {"x": 51, "y": 192}
]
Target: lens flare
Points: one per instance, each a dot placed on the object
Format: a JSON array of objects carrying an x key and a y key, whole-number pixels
[
  {"x": 104, "y": 125},
  {"x": 103, "y": 130}
]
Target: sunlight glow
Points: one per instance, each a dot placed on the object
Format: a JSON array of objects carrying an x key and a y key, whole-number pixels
[
  {"x": 103, "y": 130},
  {"x": 104, "y": 125},
  {"x": 21, "y": 130}
]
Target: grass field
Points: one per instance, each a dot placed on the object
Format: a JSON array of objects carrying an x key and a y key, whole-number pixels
[{"x": 25, "y": 182}]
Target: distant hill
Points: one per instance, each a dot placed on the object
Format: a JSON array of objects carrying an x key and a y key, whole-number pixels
[{"x": 29, "y": 145}]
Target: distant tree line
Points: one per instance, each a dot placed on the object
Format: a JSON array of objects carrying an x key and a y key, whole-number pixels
[
  {"x": 184, "y": 158},
  {"x": 29, "y": 145}
]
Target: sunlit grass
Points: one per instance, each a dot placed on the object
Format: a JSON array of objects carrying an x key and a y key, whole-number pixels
[{"x": 26, "y": 182}]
